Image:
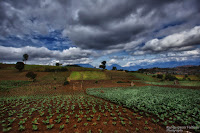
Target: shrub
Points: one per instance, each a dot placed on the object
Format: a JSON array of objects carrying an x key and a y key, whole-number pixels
[
  {"x": 154, "y": 76},
  {"x": 66, "y": 82},
  {"x": 120, "y": 82},
  {"x": 19, "y": 66},
  {"x": 160, "y": 76},
  {"x": 170, "y": 77},
  {"x": 31, "y": 75}
]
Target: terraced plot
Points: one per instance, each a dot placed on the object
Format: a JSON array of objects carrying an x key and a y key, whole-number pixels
[{"x": 88, "y": 75}]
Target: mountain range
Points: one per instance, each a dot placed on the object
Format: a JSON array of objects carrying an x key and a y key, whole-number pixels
[{"x": 136, "y": 67}]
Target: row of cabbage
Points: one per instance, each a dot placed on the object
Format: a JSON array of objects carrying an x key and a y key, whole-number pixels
[
  {"x": 170, "y": 105},
  {"x": 62, "y": 112}
]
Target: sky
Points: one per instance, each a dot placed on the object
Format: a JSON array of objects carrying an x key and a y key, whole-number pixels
[{"x": 124, "y": 32}]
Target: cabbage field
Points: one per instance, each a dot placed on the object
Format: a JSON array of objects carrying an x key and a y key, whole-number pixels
[
  {"x": 171, "y": 106},
  {"x": 76, "y": 113}
]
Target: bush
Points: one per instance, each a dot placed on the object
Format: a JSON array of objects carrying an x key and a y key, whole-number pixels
[
  {"x": 160, "y": 76},
  {"x": 66, "y": 82},
  {"x": 19, "y": 66},
  {"x": 31, "y": 75},
  {"x": 154, "y": 76},
  {"x": 120, "y": 82},
  {"x": 170, "y": 77}
]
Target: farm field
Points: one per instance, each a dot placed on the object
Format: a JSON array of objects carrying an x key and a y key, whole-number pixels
[
  {"x": 88, "y": 75},
  {"x": 171, "y": 106},
  {"x": 49, "y": 105},
  {"x": 149, "y": 79},
  {"x": 145, "y": 77},
  {"x": 76, "y": 112},
  {"x": 181, "y": 83},
  {"x": 192, "y": 77},
  {"x": 100, "y": 66}
]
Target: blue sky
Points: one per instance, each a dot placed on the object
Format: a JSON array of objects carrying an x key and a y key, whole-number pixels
[{"x": 128, "y": 33}]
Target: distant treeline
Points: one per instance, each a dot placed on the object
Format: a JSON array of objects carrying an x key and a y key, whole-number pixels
[
  {"x": 73, "y": 66},
  {"x": 61, "y": 69}
]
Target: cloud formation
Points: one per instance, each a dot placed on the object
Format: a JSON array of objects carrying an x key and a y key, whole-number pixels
[
  {"x": 77, "y": 30},
  {"x": 177, "y": 40},
  {"x": 178, "y": 56},
  {"x": 73, "y": 54}
]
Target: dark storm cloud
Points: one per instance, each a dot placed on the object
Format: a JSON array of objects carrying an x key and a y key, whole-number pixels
[
  {"x": 104, "y": 25},
  {"x": 101, "y": 24},
  {"x": 100, "y": 12}
]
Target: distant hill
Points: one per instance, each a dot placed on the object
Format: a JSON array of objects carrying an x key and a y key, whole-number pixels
[
  {"x": 171, "y": 64},
  {"x": 85, "y": 65},
  {"x": 114, "y": 65},
  {"x": 186, "y": 66}
]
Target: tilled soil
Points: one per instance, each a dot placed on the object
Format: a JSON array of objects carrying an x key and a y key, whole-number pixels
[{"x": 134, "y": 122}]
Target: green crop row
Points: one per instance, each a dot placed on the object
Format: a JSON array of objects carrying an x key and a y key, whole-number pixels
[
  {"x": 60, "y": 111},
  {"x": 5, "y": 85},
  {"x": 170, "y": 105}
]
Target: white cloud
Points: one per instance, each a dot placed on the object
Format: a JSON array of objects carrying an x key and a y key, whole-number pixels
[
  {"x": 113, "y": 61},
  {"x": 168, "y": 57},
  {"x": 42, "y": 54},
  {"x": 177, "y": 40}
]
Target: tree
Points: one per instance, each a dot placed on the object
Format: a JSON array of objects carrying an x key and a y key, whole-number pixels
[
  {"x": 25, "y": 56},
  {"x": 114, "y": 68},
  {"x": 57, "y": 64},
  {"x": 103, "y": 65},
  {"x": 31, "y": 75},
  {"x": 19, "y": 66}
]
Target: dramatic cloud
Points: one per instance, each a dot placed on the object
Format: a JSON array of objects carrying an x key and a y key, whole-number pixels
[
  {"x": 191, "y": 55},
  {"x": 84, "y": 30},
  {"x": 177, "y": 40}
]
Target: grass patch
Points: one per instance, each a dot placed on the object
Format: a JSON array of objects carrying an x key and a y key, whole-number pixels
[
  {"x": 88, "y": 75},
  {"x": 192, "y": 77},
  {"x": 6, "y": 85},
  {"x": 189, "y": 83},
  {"x": 181, "y": 83},
  {"x": 145, "y": 77}
]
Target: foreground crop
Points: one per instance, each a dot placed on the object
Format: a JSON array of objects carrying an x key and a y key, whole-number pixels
[
  {"x": 171, "y": 106},
  {"x": 69, "y": 113}
]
